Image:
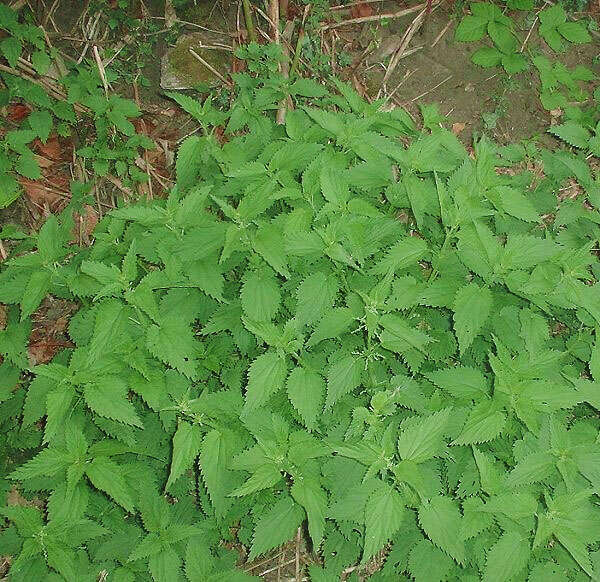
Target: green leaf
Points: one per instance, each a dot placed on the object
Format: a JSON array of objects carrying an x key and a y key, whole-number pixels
[
  {"x": 310, "y": 495},
  {"x": 502, "y": 37},
  {"x": 471, "y": 29},
  {"x": 173, "y": 342},
  {"x": 441, "y": 520},
  {"x": 269, "y": 243},
  {"x": 487, "y": 57},
  {"x": 472, "y": 306},
  {"x": 266, "y": 376},
  {"x": 260, "y": 295},
  {"x": 107, "y": 396},
  {"x": 461, "y": 382},
  {"x": 571, "y": 132},
  {"x": 106, "y": 475},
  {"x": 37, "y": 288},
  {"x": 398, "y": 336},
  {"x": 41, "y": 122},
  {"x": 484, "y": 423},
  {"x": 574, "y": 32},
  {"x": 506, "y": 558},
  {"x": 534, "y": 467},
  {"x": 188, "y": 162},
  {"x": 213, "y": 464},
  {"x": 276, "y": 526},
  {"x": 306, "y": 390},
  {"x": 27, "y": 166},
  {"x": 404, "y": 254},
  {"x": 553, "y": 16},
  {"x": 334, "y": 323},
  {"x": 422, "y": 439},
  {"x": 384, "y": 513},
  {"x": 316, "y": 295},
  {"x": 41, "y": 62},
  {"x": 46, "y": 463},
  {"x": 343, "y": 376},
  {"x": 165, "y": 566},
  {"x": 11, "y": 48},
  {"x": 186, "y": 446}
]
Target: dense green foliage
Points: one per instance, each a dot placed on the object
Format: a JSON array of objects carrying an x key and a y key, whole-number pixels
[
  {"x": 112, "y": 144},
  {"x": 342, "y": 322}
]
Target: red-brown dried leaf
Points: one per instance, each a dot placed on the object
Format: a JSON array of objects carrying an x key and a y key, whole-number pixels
[
  {"x": 361, "y": 10},
  {"x": 16, "y": 112},
  {"x": 38, "y": 194},
  {"x": 51, "y": 149}
]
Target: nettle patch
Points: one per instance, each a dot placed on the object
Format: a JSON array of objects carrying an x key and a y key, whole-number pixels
[{"x": 342, "y": 324}]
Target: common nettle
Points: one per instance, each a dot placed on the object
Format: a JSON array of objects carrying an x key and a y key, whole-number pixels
[{"x": 343, "y": 324}]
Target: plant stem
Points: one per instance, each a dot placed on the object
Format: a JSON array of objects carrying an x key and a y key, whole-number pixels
[{"x": 249, "y": 22}]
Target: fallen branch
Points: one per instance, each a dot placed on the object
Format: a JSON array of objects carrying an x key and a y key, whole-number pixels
[{"x": 376, "y": 17}]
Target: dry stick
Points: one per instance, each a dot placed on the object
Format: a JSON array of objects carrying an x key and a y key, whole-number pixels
[
  {"x": 56, "y": 93},
  {"x": 298, "y": 540},
  {"x": 274, "y": 15},
  {"x": 249, "y": 22},
  {"x": 408, "y": 35},
  {"x": 193, "y": 25},
  {"x": 209, "y": 67},
  {"x": 407, "y": 75},
  {"x": 90, "y": 36},
  {"x": 101, "y": 70},
  {"x": 430, "y": 90},
  {"x": 375, "y": 17},
  {"x": 529, "y": 33},
  {"x": 441, "y": 34},
  {"x": 350, "y": 5},
  {"x": 3, "y": 253}
]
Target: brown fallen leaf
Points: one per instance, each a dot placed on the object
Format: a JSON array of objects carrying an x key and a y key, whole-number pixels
[
  {"x": 360, "y": 10},
  {"x": 39, "y": 194},
  {"x": 458, "y": 127},
  {"x": 51, "y": 149},
  {"x": 16, "y": 112}
]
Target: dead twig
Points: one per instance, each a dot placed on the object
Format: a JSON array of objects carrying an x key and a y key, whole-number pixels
[
  {"x": 351, "y": 4},
  {"x": 101, "y": 70},
  {"x": 44, "y": 83},
  {"x": 429, "y": 91},
  {"x": 274, "y": 15},
  {"x": 298, "y": 540},
  {"x": 408, "y": 35},
  {"x": 376, "y": 17},
  {"x": 210, "y": 67},
  {"x": 441, "y": 34}
]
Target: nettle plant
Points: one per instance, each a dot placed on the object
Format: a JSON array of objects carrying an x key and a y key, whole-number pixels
[
  {"x": 488, "y": 19},
  {"x": 340, "y": 324},
  {"x": 113, "y": 146}
]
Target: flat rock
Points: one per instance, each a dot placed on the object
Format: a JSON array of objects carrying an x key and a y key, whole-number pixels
[{"x": 181, "y": 70}]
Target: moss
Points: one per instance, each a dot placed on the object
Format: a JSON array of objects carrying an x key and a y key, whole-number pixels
[
  {"x": 187, "y": 68},
  {"x": 199, "y": 13}
]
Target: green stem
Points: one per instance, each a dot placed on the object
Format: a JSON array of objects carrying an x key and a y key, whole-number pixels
[
  {"x": 249, "y": 22},
  {"x": 296, "y": 60}
]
